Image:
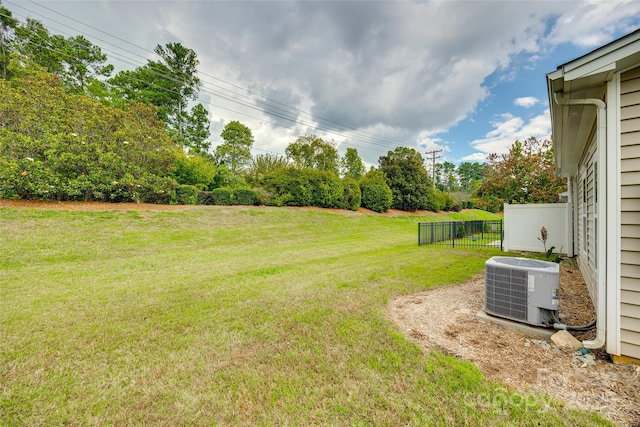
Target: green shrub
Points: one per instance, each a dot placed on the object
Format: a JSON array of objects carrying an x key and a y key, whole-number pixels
[
  {"x": 467, "y": 204},
  {"x": 84, "y": 150},
  {"x": 301, "y": 187},
  {"x": 490, "y": 204},
  {"x": 155, "y": 189},
  {"x": 221, "y": 196},
  {"x": 351, "y": 196},
  {"x": 327, "y": 190},
  {"x": 443, "y": 201},
  {"x": 243, "y": 196},
  {"x": 197, "y": 171},
  {"x": 376, "y": 194},
  {"x": 26, "y": 179},
  {"x": 205, "y": 198},
  {"x": 9, "y": 171},
  {"x": 225, "y": 178},
  {"x": 122, "y": 190},
  {"x": 186, "y": 195},
  {"x": 31, "y": 179},
  {"x": 291, "y": 187},
  {"x": 227, "y": 196},
  {"x": 264, "y": 197}
]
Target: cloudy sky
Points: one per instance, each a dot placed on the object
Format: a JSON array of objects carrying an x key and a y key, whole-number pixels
[{"x": 464, "y": 77}]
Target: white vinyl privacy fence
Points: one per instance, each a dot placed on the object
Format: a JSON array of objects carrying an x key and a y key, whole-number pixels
[{"x": 522, "y": 224}]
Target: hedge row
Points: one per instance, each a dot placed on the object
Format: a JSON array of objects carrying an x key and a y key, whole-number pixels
[
  {"x": 224, "y": 197},
  {"x": 308, "y": 187},
  {"x": 30, "y": 179},
  {"x": 287, "y": 187}
]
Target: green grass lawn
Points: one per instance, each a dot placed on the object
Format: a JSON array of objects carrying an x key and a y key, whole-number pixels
[{"x": 233, "y": 316}]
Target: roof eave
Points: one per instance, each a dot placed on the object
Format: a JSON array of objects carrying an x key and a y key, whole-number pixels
[{"x": 584, "y": 77}]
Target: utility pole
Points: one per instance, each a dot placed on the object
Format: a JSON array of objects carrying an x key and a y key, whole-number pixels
[{"x": 433, "y": 163}]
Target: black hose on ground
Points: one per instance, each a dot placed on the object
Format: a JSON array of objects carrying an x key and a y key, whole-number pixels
[{"x": 562, "y": 326}]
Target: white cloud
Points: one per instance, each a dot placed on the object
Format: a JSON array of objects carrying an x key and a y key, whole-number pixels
[
  {"x": 361, "y": 66},
  {"x": 526, "y": 101},
  {"x": 592, "y": 23},
  {"x": 371, "y": 66},
  {"x": 509, "y": 129},
  {"x": 475, "y": 157}
]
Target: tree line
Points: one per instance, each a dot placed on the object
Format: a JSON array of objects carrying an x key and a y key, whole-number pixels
[{"x": 71, "y": 130}]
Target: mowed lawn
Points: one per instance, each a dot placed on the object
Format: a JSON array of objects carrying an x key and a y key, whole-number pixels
[{"x": 233, "y": 316}]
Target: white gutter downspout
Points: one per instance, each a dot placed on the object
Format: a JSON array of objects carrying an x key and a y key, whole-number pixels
[{"x": 601, "y": 293}]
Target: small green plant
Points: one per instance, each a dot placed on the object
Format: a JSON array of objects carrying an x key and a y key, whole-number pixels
[{"x": 558, "y": 258}]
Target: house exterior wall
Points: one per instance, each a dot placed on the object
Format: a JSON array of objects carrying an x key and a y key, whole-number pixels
[
  {"x": 630, "y": 213},
  {"x": 586, "y": 218}
]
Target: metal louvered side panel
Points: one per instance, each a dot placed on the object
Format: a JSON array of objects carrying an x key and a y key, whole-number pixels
[{"x": 506, "y": 292}]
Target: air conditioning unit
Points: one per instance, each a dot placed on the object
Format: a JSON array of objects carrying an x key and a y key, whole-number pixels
[{"x": 522, "y": 289}]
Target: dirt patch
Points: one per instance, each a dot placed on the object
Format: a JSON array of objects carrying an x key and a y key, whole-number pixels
[
  {"x": 91, "y": 206},
  {"x": 105, "y": 206},
  {"x": 445, "y": 319}
]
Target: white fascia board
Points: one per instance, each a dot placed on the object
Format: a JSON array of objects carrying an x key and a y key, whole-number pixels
[
  {"x": 590, "y": 69},
  {"x": 555, "y": 75},
  {"x": 600, "y": 60}
]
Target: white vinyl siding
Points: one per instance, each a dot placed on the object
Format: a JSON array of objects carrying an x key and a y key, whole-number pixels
[{"x": 630, "y": 215}]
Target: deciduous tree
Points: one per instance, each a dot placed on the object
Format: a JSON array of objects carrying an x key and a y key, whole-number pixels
[
  {"x": 526, "y": 174},
  {"x": 264, "y": 164},
  {"x": 311, "y": 151},
  {"x": 196, "y": 130},
  {"x": 351, "y": 164},
  {"x": 235, "y": 152}
]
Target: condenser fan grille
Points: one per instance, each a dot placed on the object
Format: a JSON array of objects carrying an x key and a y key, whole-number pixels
[{"x": 506, "y": 292}]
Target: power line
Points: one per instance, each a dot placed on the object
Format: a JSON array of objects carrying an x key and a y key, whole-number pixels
[
  {"x": 315, "y": 117},
  {"x": 226, "y": 97},
  {"x": 368, "y": 137}
]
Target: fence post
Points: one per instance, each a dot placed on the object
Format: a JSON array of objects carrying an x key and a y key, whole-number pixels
[
  {"x": 433, "y": 232},
  {"x": 453, "y": 234},
  {"x": 501, "y": 236}
]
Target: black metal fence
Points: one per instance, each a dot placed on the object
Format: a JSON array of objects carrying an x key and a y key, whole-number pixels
[{"x": 462, "y": 234}]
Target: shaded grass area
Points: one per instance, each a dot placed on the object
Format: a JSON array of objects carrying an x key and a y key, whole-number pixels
[{"x": 219, "y": 316}]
